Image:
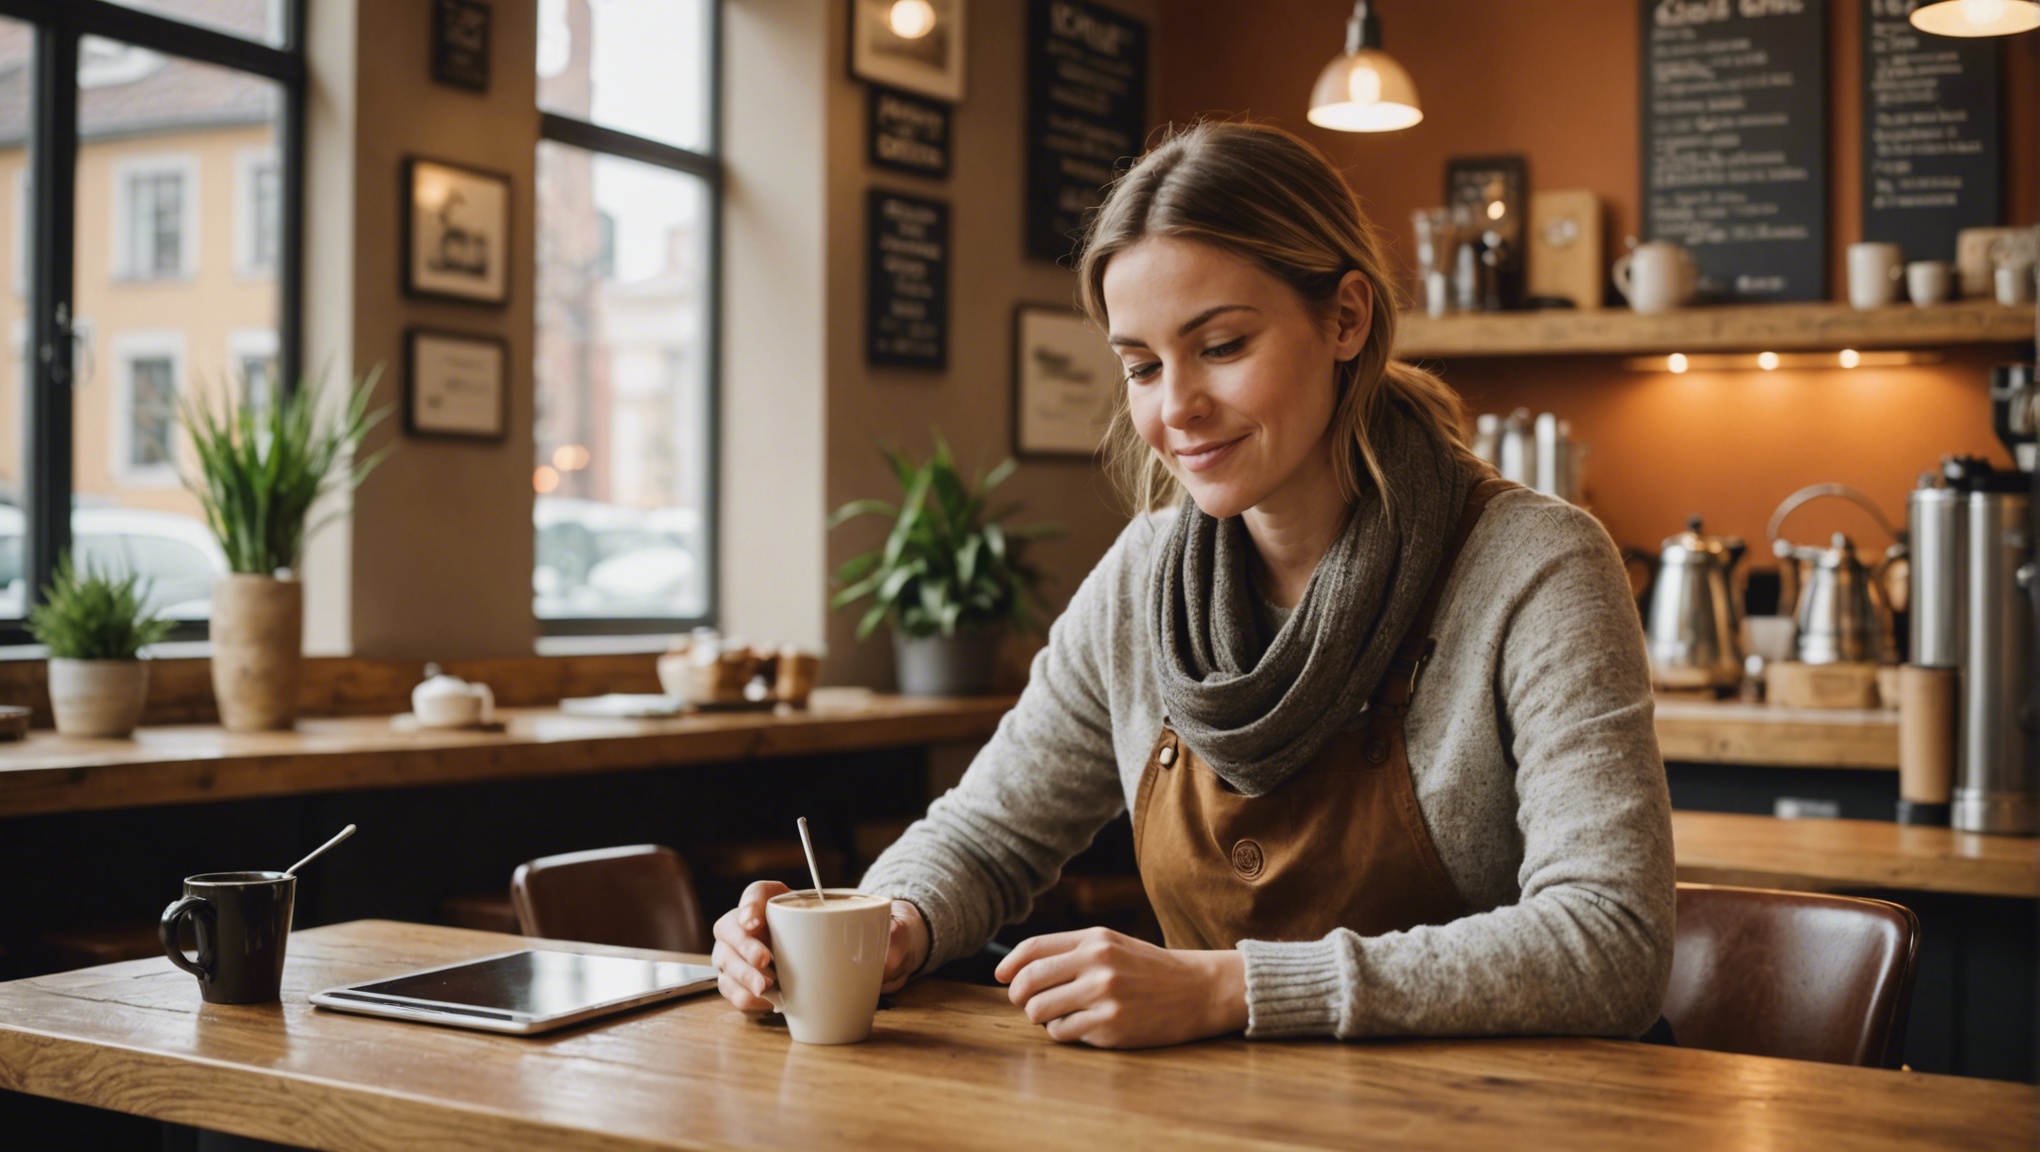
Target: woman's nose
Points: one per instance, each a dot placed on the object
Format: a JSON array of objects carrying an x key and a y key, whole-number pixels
[{"x": 1184, "y": 401}]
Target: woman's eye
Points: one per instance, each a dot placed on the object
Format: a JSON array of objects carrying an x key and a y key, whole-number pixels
[
  {"x": 1227, "y": 348},
  {"x": 1143, "y": 371}
]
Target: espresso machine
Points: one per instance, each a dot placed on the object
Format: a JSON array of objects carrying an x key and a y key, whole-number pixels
[{"x": 1975, "y": 603}]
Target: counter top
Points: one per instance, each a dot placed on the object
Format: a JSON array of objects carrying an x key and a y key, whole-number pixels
[
  {"x": 950, "y": 1066},
  {"x": 1829, "y": 855},
  {"x": 181, "y": 764},
  {"x": 1734, "y": 732}
]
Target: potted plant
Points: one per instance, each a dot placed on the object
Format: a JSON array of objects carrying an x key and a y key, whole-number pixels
[
  {"x": 259, "y": 474},
  {"x": 951, "y": 576},
  {"x": 95, "y": 627}
]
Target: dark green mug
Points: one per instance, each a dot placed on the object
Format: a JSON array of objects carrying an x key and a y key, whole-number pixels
[{"x": 241, "y": 920}]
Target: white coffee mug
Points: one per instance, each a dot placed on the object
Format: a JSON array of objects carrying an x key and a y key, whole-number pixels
[
  {"x": 829, "y": 958},
  {"x": 1657, "y": 277},
  {"x": 1929, "y": 281},
  {"x": 1874, "y": 272},
  {"x": 2015, "y": 283}
]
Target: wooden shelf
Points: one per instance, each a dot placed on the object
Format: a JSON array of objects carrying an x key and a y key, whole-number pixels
[
  {"x": 1737, "y": 328},
  {"x": 1732, "y": 732}
]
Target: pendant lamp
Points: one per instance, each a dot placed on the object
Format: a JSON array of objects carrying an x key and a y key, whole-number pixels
[
  {"x": 1364, "y": 90},
  {"x": 1977, "y": 17}
]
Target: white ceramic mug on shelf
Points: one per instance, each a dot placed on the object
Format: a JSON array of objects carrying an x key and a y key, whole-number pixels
[
  {"x": 444, "y": 701},
  {"x": 1930, "y": 282},
  {"x": 1657, "y": 277},
  {"x": 1875, "y": 268},
  {"x": 829, "y": 959}
]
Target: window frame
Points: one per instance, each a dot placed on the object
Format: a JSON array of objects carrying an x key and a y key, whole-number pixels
[
  {"x": 249, "y": 166},
  {"x": 47, "y": 418},
  {"x": 126, "y": 349},
  {"x": 707, "y": 164}
]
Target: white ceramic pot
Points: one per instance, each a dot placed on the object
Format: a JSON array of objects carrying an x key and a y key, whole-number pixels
[
  {"x": 257, "y": 651},
  {"x": 98, "y": 698}
]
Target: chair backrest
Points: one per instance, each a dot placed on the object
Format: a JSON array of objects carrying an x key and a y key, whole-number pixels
[
  {"x": 638, "y": 897},
  {"x": 1793, "y": 974}
]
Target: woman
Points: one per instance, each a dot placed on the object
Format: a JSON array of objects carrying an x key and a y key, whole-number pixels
[{"x": 1384, "y": 726}]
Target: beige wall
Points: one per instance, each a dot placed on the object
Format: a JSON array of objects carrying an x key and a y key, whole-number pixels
[{"x": 989, "y": 274}]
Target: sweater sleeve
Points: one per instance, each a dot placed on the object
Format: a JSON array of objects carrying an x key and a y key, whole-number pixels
[
  {"x": 1035, "y": 795},
  {"x": 1587, "y": 948}
]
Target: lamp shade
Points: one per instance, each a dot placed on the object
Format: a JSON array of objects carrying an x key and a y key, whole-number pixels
[
  {"x": 1977, "y": 17},
  {"x": 1364, "y": 91}
]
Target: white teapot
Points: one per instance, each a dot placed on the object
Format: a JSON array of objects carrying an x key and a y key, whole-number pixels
[{"x": 444, "y": 701}]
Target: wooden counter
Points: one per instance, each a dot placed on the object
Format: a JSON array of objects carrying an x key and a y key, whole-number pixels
[
  {"x": 950, "y": 1067},
  {"x": 1732, "y": 732},
  {"x": 1828, "y": 855},
  {"x": 194, "y": 763}
]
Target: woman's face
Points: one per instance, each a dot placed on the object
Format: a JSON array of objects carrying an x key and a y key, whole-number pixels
[{"x": 1229, "y": 374}]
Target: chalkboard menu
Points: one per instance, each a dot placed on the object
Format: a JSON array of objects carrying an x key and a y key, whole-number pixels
[
  {"x": 1735, "y": 142},
  {"x": 907, "y": 325},
  {"x": 909, "y": 133},
  {"x": 1933, "y": 148},
  {"x": 1086, "y": 110}
]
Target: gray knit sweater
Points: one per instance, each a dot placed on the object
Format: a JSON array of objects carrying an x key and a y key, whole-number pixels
[{"x": 1535, "y": 764}]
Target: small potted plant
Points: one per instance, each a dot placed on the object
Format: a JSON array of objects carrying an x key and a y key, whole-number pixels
[
  {"x": 951, "y": 576},
  {"x": 259, "y": 474},
  {"x": 95, "y": 627}
]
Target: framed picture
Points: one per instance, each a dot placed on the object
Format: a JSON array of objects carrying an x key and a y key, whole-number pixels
[
  {"x": 456, "y": 232},
  {"x": 455, "y": 385},
  {"x": 912, "y": 44},
  {"x": 1066, "y": 379},
  {"x": 460, "y": 43}
]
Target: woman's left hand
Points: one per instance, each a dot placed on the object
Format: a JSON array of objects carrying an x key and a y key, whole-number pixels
[{"x": 1109, "y": 990}]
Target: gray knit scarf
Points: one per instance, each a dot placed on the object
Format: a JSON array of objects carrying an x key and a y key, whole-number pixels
[{"x": 1257, "y": 714}]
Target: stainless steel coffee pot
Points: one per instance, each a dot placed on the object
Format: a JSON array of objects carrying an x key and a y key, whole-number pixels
[
  {"x": 1840, "y": 606},
  {"x": 1695, "y": 612}
]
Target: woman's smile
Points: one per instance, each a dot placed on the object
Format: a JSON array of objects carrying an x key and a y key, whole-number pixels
[{"x": 1209, "y": 454}]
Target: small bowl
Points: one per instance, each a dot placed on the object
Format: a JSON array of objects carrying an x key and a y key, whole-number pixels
[{"x": 13, "y": 722}]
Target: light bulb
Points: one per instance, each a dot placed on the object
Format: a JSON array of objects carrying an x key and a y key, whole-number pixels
[
  {"x": 1676, "y": 362},
  {"x": 1850, "y": 358},
  {"x": 1983, "y": 13},
  {"x": 1767, "y": 360},
  {"x": 911, "y": 19}
]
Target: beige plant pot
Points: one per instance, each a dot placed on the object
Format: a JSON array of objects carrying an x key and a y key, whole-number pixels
[
  {"x": 98, "y": 698},
  {"x": 257, "y": 649}
]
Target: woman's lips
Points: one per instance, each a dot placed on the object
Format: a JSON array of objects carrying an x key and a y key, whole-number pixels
[{"x": 1210, "y": 458}]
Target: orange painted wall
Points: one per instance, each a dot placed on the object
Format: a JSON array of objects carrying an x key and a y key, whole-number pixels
[{"x": 1557, "y": 82}]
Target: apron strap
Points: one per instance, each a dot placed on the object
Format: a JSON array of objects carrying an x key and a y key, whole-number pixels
[{"x": 1399, "y": 683}]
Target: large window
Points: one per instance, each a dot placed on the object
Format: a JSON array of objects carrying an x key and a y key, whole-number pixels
[
  {"x": 629, "y": 190},
  {"x": 151, "y": 152}
]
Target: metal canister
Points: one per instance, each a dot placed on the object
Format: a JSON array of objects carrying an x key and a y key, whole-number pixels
[
  {"x": 1934, "y": 515},
  {"x": 1994, "y": 785}
]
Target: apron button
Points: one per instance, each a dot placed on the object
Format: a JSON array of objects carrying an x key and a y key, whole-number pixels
[
  {"x": 1376, "y": 749},
  {"x": 1247, "y": 859},
  {"x": 1167, "y": 756}
]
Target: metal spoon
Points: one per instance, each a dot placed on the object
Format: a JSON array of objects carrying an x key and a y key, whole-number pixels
[
  {"x": 320, "y": 850},
  {"x": 807, "y": 846}
]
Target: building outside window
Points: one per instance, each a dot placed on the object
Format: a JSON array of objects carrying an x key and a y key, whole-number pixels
[
  {"x": 628, "y": 208},
  {"x": 158, "y": 217}
]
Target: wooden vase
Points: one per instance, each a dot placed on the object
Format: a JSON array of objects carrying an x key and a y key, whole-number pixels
[
  {"x": 97, "y": 698},
  {"x": 257, "y": 651}
]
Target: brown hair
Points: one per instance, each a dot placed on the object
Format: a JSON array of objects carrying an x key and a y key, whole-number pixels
[{"x": 1263, "y": 194}]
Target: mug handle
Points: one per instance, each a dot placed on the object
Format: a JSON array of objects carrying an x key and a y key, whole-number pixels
[
  {"x": 166, "y": 930},
  {"x": 1620, "y": 274},
  {"x": 488, "y": 703}
]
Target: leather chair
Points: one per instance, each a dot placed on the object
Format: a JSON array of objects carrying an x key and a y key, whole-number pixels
[
  {"x": 1792, "y": 974},
  {"x": 637, "y": 897}
]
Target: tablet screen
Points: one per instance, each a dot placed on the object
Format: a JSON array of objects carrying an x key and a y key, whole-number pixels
[{"x": 541, "y": 983}]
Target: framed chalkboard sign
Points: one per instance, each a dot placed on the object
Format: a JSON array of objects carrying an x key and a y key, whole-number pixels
[
  {"x": 1933, "y": 145},
  {"x": 907, "y": 320},
  {"x": 1087, "y": 92},
  {"x": 909, "y": 134},
  {"x": 460, "y": 43},
  {"x": 1735, "y": 142}
]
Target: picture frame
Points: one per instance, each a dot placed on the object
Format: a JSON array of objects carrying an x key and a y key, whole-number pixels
[
  {"x": 930, "y": 63},
  {"x": 456, "y": 385},
  {"x": 1066, "y": 379},
  {"x": 460, "y": 43},
  {"x": 456, "y": 232}
]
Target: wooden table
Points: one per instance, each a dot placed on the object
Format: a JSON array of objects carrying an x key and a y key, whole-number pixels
[
  {"x": 1733, "y": 732},
  {"x": 1827, "y": 855},
  {"x": 951, "y": 1067},
  {"x": 202, "y": 762}
]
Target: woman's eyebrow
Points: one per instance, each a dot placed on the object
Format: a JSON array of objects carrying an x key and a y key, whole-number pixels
[{"x": 1189, "y": 326}]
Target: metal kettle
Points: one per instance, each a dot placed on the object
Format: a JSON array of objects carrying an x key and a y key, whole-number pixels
[
  {"x": 1695, "y": 611},
  {"x": 1840, "y": 607}
]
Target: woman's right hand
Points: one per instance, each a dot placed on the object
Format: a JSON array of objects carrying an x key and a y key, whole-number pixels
[{"x": 743, "y": 951}]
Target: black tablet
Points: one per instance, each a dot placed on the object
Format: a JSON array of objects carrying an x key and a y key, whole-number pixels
[{"x": 526, "y": 992}]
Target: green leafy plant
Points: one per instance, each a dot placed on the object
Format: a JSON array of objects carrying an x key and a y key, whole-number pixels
[
  {"x": 260, "y": 472},
  {"x": 95, "y": 616},
  {"x": 948, "y": 563}
]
